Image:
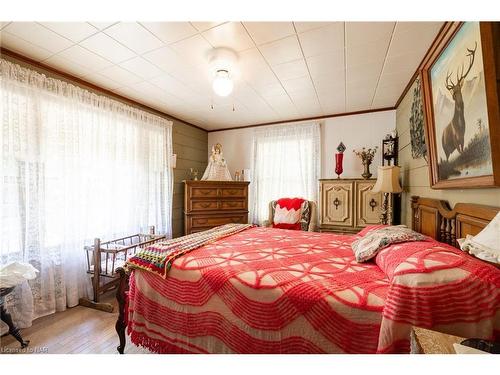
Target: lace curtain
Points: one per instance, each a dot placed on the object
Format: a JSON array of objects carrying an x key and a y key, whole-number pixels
[
  {"x": 74, "y": 165},
  {"x": 285, "y": 164}
]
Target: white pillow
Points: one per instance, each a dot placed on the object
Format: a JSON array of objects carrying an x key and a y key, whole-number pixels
[{"x": 486, "y": 244}]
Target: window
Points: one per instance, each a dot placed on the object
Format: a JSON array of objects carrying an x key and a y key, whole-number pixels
[
  {"x": 285, "y": 164},
  {"x": 74, "y": 166}
]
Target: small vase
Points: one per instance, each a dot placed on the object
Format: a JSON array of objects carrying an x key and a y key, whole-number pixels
[
  {"x": 366, "y": 174},
  {"x": 338, "y": 164}
]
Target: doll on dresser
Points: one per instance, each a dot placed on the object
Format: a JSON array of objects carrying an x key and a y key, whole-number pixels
[{"x": 217, "y": 167}]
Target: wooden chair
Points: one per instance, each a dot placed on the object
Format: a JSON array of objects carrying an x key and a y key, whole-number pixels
[{"x": 313, "y": 217}]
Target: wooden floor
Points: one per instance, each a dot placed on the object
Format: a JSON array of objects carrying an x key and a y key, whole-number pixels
[{"x": 76, "y": 330}]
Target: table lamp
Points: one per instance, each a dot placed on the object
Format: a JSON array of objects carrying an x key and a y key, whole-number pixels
[{"x": 387, "y": 183}]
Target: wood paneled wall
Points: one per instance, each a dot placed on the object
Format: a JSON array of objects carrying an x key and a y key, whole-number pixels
[{"x": 191, "y": 146}]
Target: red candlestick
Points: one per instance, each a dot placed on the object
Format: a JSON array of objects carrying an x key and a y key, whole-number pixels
[{"x": 338, "y": 164}]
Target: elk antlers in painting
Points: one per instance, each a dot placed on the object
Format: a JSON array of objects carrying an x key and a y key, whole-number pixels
[{"x": 453, "y": 135}]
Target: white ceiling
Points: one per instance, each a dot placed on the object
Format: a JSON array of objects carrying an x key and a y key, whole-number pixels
[{"x": 287, "y": 70}]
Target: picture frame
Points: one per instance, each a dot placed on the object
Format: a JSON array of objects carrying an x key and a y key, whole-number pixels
[{"x": 459, "y": 80}]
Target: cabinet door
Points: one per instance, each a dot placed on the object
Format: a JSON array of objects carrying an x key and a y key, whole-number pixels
[
  {"x": 367, "y": 204},
  {"x": 336, "y": 199}
]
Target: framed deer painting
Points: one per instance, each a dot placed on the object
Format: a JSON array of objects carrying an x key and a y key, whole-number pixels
[{"x": 461, "y": 106}]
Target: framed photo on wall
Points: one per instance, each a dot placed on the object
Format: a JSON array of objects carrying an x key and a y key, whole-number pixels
[{"x": 461, "y": 106}]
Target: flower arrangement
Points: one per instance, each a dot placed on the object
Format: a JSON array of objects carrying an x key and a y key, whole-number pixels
[{"x": 365, "y": 155}]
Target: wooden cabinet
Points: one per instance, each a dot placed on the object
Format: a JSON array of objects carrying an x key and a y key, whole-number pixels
[
  {"x": 208, "y": 204},
  {"x": 348, "y": 205}
]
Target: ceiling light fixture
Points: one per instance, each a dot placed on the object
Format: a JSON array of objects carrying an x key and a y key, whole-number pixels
[
  {"x": 222, "y": 84},
  {"x": 223, "y": 70}
]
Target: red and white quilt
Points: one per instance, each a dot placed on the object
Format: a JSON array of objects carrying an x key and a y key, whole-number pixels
[{"x": 269, "y": 290}]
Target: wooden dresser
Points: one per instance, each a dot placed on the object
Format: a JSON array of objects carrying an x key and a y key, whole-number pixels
[
  {"x": 348, "y": 205},
  {"x": 208, "y": 204}
]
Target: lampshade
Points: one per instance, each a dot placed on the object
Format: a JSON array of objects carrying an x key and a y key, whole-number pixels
[
  {"x": 387, "y": 180},
  {"x": 222, "y": 84}
]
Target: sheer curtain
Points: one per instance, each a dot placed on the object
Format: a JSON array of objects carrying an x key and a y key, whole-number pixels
[
  {"x": 73, "y": 166},
  {"x": 285, "y": 164}
]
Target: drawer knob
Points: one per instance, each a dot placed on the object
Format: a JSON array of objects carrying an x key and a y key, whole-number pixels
[
  {"x": 373, "y": 204},
  {"x": 205, "y": 205},
  {"x": 205, "y": 192},
  {"x": 336, "y": 203},
  {"x": 232, "y": 192},
  {"x": 232, "y": 204}
]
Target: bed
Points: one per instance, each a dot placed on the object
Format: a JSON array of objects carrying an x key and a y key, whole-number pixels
[{"x": 267, "y": 290}]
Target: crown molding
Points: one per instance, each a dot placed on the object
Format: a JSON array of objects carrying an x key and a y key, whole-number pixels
[{"x": 306, "y": 119}]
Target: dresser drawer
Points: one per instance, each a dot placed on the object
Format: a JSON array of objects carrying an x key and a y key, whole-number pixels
[
  {"x": 213, "y": 221},
  {"x": 233, "y": 204},
  {"x": 203, "y": 205},
  {"x": 203, "y": 192},
  {"x": 234, "y": 192}
]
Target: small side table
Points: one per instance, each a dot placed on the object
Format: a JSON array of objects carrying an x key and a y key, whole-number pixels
[
  {"x": 5, "y": 316},
  {"x": 427, "y": 341}
]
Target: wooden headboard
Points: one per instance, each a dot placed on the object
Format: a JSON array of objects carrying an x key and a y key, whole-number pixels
[{"x": 436, "y": 219}]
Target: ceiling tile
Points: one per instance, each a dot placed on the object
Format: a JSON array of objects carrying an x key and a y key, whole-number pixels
[
  {"x": 265, "y": 32},
  {"x": 259, "y": 78},
  {"x": 38, "y": 35},
  {"x": 191, "y": 75},
  {"x": 67, "y": 66},
  {"x": 202, "y": 26},
  {"x": 303, "y": 95},
  {"x": 102, "y": 81},
  {"x": 292, "y": 69},
  {"x": 102, "y": 25},
  {"x": 108, "y": 48},
  {"x": 298, "y": 84},
  {"x": 281, "y": 51},
  {"x": 406, "y": 39},
  {"x": 141, "y": 68},
  {"x": 323, "y": 40},
  {"x": 330, "y": 84},
  {"x": 366, "y": 32},
  {"x": 306, "y": 26},
  {"x": 165, "y": 58},
  {"x": 326, "y": 64},
  {"x": 367, "y": 53},
  {"x": 272, "y": 90},
  {"x": 363, "y": 71},
  {"x": 194, "y": 49},
  {"x": 134, "y": 36},
  {"x": 170, "y": 32},
  {"x": 74, "y": 31},
  {"x": 121, "y": 75},
  {"x": 231, "y": 34},
  {"x": 172, "y": 85},
  {"x": 81, "y": 56},
  {"x": 416, "y": 27},
  {"x": 250, "y": 61},
  {"x": 23, "y": 47}
]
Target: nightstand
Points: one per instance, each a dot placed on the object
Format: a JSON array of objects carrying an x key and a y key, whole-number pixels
[{"x": 427, "y": 341}]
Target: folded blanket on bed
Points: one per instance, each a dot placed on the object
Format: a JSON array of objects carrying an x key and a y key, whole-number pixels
[{"x": 158, "y": 258}]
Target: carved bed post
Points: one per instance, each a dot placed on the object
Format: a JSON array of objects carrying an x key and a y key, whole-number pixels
[
  {"x": 121, "y": 297},
  {"x": 414, "y": 213}
]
